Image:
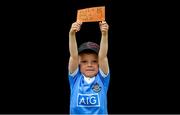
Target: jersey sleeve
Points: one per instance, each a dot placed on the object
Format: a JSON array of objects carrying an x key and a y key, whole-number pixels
[
  {"x": 73, "y": 77},
  {"x": 105, "y": 78}
]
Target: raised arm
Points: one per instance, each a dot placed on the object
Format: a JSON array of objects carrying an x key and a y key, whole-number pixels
[
  {"x": 102, "y": 56},
  {"x": 73, "y": 49}
]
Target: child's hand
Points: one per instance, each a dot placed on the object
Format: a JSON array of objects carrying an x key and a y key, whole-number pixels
[
  {"x": 104, "y": 27},
  {"x": 75, "y": 27}
]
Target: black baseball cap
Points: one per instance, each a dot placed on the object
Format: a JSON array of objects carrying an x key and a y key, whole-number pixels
[{"x": 89, "y": 46}]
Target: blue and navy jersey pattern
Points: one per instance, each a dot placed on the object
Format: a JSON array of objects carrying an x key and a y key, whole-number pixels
[{"x": 88, "y": 98}]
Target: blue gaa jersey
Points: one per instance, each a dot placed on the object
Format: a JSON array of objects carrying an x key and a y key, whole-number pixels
[{"x": 88, "y": 98}]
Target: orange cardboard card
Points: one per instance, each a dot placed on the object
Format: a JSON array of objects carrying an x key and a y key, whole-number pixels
[{"x": 92, "y": 14}]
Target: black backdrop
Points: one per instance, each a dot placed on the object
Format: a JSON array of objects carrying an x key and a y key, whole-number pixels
[
  {"x": 35, "y": 58},
  {"x": 36, "y": 54}
]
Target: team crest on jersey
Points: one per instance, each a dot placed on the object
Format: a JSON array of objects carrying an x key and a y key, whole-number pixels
[{"x": 96, "y": 88}]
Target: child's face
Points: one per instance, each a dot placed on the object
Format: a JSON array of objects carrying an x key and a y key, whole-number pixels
[{"x": 88, "y": 64}]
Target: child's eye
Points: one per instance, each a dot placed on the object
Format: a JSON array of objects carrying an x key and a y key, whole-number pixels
[
  {"x": 95, "y": 61},
  {"x": 83, "y": 61}
]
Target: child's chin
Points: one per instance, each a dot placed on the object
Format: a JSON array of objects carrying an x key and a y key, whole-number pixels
[{"x": 90, "y": 75}]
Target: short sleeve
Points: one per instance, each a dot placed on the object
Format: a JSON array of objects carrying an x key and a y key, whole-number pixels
[
  {"x": 73, "y": 77},
  {"x": 105, "y": 78}
]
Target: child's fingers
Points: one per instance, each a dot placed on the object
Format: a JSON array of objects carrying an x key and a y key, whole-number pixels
[
  {"x": 78, "y": 22},
  {"x": 104, "y": 25},
  {"x": 102, "y": 22},
  {"x": 76, "y": 26}
]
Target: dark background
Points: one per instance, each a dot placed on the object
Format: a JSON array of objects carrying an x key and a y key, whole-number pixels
[{"x": 35, "y": 57}]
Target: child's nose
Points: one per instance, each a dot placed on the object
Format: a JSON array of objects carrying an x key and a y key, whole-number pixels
[{"x": 89, "y": 63}]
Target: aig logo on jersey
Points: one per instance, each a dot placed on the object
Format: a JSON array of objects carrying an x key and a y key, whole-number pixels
[{"x": 88, "y": 100}]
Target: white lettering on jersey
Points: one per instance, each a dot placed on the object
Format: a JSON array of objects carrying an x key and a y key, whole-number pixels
[
  {"x": 88, "y": 100},
  {"x": 82, "y": 101}
]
